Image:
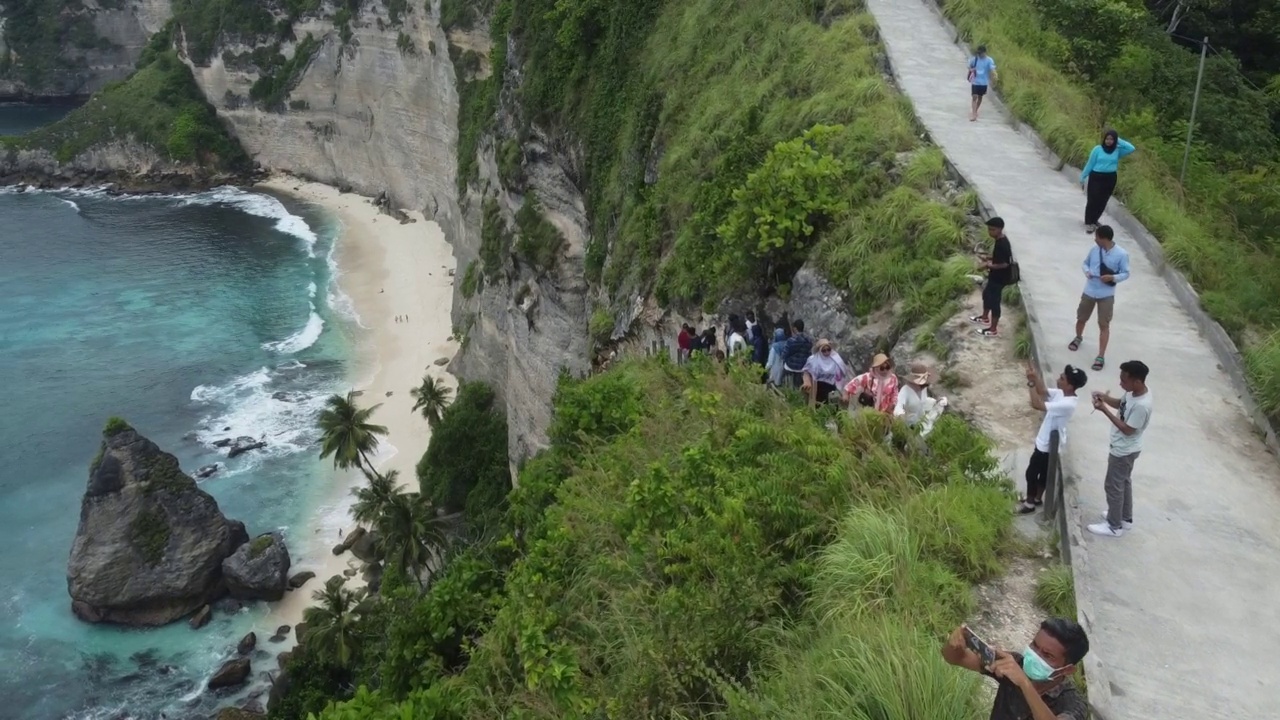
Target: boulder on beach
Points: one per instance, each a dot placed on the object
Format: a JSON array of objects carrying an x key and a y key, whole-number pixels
[
  {"x": 355, "y": 536},
  {"x": 368, "y": 547},
  {"x": 201, "y": 618},
  {"x": 244, "y": 444},
  {"x": 150, "y": 544},
  {"x": 247, "y": 644},
  {"x": 259, "y": 569},
  {"x": 232, "y": 673},
  {"x": 299, "y": 579}
]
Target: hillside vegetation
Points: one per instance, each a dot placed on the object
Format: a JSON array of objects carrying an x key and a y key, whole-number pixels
[
  {"x": 1071, "y": 69},
  {"x": 692, "y": 545},
  {"x": 777, "y": 139}
]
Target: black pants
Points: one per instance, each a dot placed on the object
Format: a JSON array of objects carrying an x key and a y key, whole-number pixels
[
  {"x": 823, "y": 392},
  {"x": 991, "y": 296},
  {"x": 1037, "y": 475},
  {"x": 1101, "y": 186}
]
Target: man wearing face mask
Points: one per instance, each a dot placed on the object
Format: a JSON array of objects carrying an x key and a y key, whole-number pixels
[{"x": 1036, "y": 683}]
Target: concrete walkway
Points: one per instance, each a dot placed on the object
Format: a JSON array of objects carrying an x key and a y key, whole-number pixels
[{"x": 1183, "y": 611}]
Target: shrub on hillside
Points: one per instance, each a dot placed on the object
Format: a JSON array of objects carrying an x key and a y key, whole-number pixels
[{"x": 465, "y": 465}]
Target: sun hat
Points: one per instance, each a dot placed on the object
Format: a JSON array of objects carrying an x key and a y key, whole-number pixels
[
  {"x": 879, "y": 360},
  {"x": 919, "y": 373},
  {"x": 823, "y": 343}
]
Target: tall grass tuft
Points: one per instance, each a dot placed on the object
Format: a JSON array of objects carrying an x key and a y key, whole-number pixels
[{"x": 1056, "y": 591}]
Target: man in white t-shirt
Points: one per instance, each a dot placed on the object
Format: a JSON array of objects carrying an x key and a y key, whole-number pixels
[
  {"x": 1058, "y": 405},
  {"x": 1127, "y": 427}
]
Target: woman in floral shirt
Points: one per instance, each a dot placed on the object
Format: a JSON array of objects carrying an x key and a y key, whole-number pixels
[{"x": 878, "y": 387}]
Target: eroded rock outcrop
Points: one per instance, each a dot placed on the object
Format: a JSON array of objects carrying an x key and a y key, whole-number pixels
[
  {"x": 150, "y": 544},
  {"x": 259, "y": 569}
]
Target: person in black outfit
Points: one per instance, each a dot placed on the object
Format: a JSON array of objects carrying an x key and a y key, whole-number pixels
[
  {"x": 998, "y": 276},
  {"x": 1035, "y": 683}
]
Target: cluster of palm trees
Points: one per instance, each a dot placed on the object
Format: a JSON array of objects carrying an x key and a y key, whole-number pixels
[{"x": 409, "y": 534}]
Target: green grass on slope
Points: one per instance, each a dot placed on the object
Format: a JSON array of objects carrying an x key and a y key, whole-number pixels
[
  {"x": 159, "y": 105},
  {"x": 694, "y": 544},
  {"x": 779, "y": 135},
  {"x": 1221, "y": 233}
]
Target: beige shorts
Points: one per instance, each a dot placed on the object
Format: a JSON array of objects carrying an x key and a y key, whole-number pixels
[{"x": 1106, "y": 309}]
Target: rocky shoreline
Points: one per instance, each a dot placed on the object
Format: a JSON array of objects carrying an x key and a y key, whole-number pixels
[{"x": 118, "y": 182}]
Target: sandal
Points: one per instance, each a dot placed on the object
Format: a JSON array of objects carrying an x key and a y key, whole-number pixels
[
  {"x": 1099, "y": 363},
  {"x": 1075, "y": 344}
]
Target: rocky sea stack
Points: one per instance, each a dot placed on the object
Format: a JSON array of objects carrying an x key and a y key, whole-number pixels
[{"x": 150, "y": 545}]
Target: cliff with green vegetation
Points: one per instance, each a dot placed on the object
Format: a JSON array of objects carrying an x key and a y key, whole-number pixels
[
  {"x": 690, "y": 545},
  {"x": 623, "y": 169},
  {"x": 61, "y": 48}
]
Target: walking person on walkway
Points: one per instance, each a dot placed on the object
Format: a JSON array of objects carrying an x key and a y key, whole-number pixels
[
  {"x": 998, "y": 277},
  {"x": 1106, "y": 265},
  {"x": 1127, "y": 427},
  {"x": 773, "y": 366},
  {"x": 1058, "y": 405},
  {"x": 1098, "y": 179},
  {"x": 982, "y": 72},
  {"x": 915, "y": 406}
]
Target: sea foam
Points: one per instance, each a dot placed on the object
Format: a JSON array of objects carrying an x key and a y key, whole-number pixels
[
  {"x": 301, "y": 340},
  {"x": 263, "y": 206}
]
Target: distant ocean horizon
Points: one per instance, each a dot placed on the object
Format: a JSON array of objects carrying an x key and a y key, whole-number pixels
[{"x": 187, "y": 316}]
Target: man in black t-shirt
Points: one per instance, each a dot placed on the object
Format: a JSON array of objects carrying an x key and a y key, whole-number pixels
[
  {"x": 1034, "y": 684},
  {"x": 998, "y": 276}
]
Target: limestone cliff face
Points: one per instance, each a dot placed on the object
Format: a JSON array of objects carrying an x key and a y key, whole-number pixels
[
  {"x": 522, "y": 330},
  {"x": 374, "y": 114},
  {"x": 122, "y": 30}
]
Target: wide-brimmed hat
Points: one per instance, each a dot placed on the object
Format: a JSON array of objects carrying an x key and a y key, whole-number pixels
[
  {"x": 919, "y": 373},
  {"x": 823, "y": 343},
  {"x": 879, "y": 359}
]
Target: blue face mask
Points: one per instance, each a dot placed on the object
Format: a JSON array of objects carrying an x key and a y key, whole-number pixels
[{"x": 1035, "y": 667}]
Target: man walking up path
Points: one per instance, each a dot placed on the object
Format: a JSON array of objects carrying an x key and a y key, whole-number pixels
[
  {"x": 1173, "y": 610},
  {"x": 1106, "y": 266}
]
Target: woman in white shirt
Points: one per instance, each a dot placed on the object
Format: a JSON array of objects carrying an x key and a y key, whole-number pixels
[
  {"x": 916, "y": 408},
  {"x": 823, "y": 373}
]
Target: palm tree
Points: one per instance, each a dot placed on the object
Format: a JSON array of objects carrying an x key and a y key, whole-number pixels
[
  {"x": 332, "y": 627},
  {"x": 411, "y": 534},
  {"x": 432, "y": 397},
  {"x": 346, "y": 432},
  {"x": 372, "y": 501}
]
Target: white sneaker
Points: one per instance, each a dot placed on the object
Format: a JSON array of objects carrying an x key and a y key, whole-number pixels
[
  {"x": 1126, "y": 524},
  {"x": 1106, "y": 530}
]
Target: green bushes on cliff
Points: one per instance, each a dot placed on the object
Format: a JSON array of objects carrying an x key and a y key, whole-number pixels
[
  {"x": 722, "y": 149},
  {"x": 465, "y": 465},
  {"x": 42, "y": 37},
  {"x": 687, "y": 541},
  {"x": 1219, "y": 229},
  {"x": 159, "y": 105}
]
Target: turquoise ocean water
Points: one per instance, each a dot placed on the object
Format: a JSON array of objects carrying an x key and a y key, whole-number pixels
[{"x": 184, "y": 315}]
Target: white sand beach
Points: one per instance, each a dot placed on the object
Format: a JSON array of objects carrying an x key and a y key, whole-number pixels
[{"x": 388, "y": 270}]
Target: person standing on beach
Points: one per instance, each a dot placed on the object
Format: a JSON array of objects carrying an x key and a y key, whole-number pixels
[
  {"x": 1127, "y": 427},
  {"x": 1106, "y": 265},
  {"x": 998, "y": 276},
  {"x": 1058, "y": 405},
  {"x": 982, "y": 71},
  {"x": 1098, "y": 179}
]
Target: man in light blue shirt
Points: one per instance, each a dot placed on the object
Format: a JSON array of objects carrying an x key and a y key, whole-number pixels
[
  {"x": 982, "y": 71},
  {"x": 1106, "y": 265}
]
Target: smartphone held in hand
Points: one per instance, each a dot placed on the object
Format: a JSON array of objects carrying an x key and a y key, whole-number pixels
[{"x": 980, "y": 647}]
